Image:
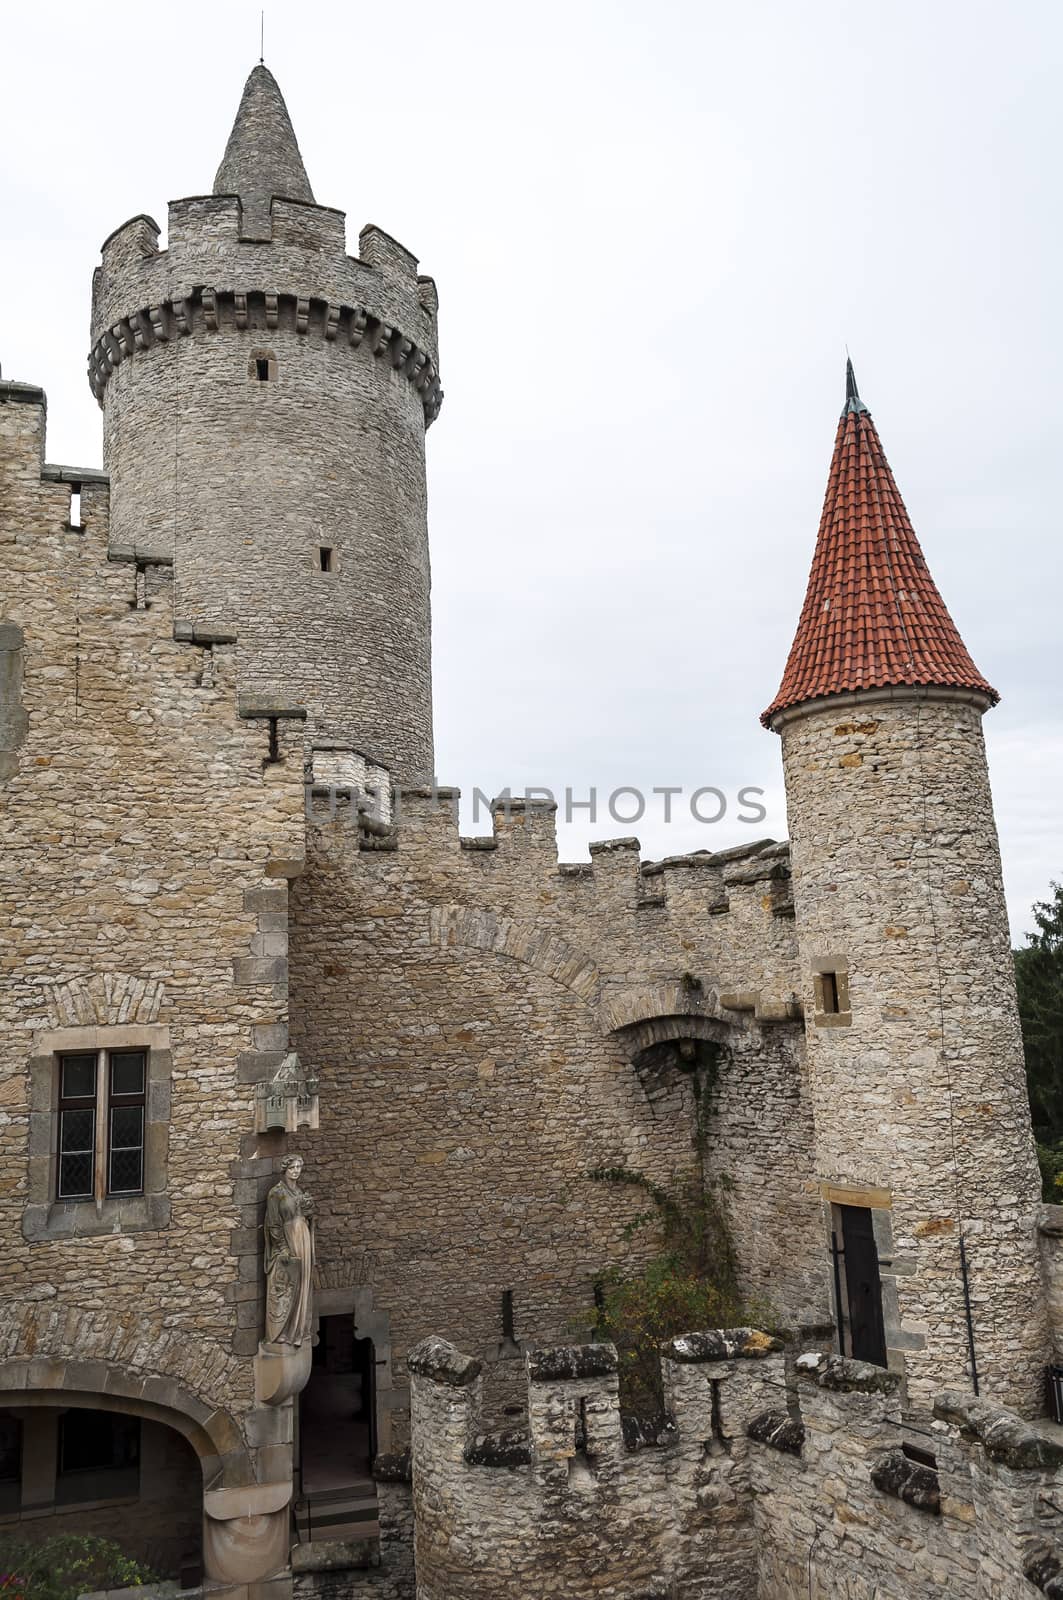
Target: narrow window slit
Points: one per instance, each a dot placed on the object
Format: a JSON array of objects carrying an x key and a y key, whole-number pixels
[
  {"x": 582, "y": 1464},
  {"x": 262, "y": 369},
  {"x": 325, "y": 558},
  {"x": 274, "y": 744},
  {"x": 75, "y": 505},
  {"x": 830, "y": 993}
]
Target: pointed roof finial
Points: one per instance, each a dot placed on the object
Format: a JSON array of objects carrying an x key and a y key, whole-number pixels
[
  {"x": 262, "y": 156},
  {"x": 853, "y": 402}
]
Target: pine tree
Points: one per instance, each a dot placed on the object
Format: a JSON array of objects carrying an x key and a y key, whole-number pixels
[{"x": 1039, "y": 979}]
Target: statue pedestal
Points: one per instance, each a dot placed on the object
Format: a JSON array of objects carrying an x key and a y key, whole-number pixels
[{"x": 281, "y": 1370}]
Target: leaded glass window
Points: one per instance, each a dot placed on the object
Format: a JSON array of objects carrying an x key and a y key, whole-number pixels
[{"x": 101, "y": 1124}]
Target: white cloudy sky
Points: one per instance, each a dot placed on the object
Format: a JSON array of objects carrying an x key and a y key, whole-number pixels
[{"x": 654, "y": 229}]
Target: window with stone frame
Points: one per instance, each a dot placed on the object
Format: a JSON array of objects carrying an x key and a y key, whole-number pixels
[
  {"x": 830, "y": 985},
  {"x": 99, "y": 1132},
  {"x": 102, "y": 1098}
]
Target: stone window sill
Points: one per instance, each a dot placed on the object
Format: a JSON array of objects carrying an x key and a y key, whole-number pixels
[
  {"x": 833, "y": 1019},
  {"x": 82, "y": 1219}
]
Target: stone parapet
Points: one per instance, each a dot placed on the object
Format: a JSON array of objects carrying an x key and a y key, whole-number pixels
[
  {"x": 306, "y": 255},
  {"x": 579, "y": 1498}
]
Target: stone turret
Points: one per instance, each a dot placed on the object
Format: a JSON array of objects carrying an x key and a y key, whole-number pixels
[
  {"x": 265, "y": 400},
  {"x": 923, "y": 1138}
]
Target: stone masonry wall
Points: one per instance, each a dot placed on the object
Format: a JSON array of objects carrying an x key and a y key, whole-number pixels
[
  {"x": 571, "y": 1504},
  {"x": 769, "y": 1483},
  {"x": 846, "y": 1507},
  {"x": 143, "y": 848},
  {"x": 920, "y": 1091},
  {"x": 479, "y": 1020}
]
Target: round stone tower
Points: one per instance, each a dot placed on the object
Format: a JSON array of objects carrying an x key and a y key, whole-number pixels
[
  {"x": 265, "y": 399},
  {"x": 925, "y": 1156}
]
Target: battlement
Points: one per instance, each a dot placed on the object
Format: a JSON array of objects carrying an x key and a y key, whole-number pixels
[
  {"x": 751, "y": 1469},
  {"x": 733, "y": 907},
  {"x": 497, "y": 1516},
  {"x": 144, "y": 295}
]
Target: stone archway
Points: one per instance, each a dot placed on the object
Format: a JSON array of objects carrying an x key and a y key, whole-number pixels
[
  {"x": 90, "y": 1463},
  {"x": 120, "y": 1363}
]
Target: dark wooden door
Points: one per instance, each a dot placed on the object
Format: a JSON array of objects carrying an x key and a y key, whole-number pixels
[{"x": 863, "y": 1286}]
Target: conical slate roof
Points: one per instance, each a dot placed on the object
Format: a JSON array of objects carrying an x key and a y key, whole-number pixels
[
  {"x": 262, "y": 157},
  {"x": 872, "y": 617}
]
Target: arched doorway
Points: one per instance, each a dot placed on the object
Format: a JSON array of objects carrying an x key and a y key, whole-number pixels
[{"x": 91, "y": 1469}]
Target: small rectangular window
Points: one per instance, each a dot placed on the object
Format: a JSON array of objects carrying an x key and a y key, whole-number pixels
[
  {"x": 262, "y": 369},
  {"x": 75, "y": 505},
  {"x": 101, "y": 1124},
  {"x": 325, "y": 557},
  {"x": 10, "y": 1464},
  {"x": 829, "y": 981}
]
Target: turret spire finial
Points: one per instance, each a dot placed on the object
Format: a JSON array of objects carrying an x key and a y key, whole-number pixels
[{"x": 853, "y": 402}]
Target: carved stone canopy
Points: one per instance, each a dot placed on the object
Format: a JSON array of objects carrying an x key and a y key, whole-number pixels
[{"x": 288, "y": 1100}]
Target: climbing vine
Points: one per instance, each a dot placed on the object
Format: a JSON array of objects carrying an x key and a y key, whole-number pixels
[{"x": 693, "y": 1282}]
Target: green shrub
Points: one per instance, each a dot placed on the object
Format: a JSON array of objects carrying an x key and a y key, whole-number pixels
[
  {"x": 691, "y": 1285},
  {"x": 1050, "y": 1160},
  {"x": 65, "y": 1566}
]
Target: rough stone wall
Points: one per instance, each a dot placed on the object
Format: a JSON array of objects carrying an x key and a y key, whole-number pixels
[
  {"x": 243, "y": 482},
  {"x": 670, "y": 1518},
  {"x": 851, "y": 1517},
  {"x": 769, "y": 1483},
  {"x": 140, "y": 838},
  {"x": 1050, "y": 1236},
  {"x": 922, "y": 1092},
  {"x": 473, "y": 1015}
]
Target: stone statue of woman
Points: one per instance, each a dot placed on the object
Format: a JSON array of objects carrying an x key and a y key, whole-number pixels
[{"x": 289, "y": 1257}]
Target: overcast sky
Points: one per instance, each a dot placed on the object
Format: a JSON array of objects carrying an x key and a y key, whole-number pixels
[{"x": 654, "y": 230}]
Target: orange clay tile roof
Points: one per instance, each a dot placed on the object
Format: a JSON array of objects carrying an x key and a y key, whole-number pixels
[{"x": 872, "y": 615}]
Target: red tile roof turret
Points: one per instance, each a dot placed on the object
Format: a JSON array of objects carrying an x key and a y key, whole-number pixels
[{"x": 872, "y": 617}]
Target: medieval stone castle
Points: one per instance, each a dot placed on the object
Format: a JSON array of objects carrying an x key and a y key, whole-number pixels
[{"x": 222, "y": 948}]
